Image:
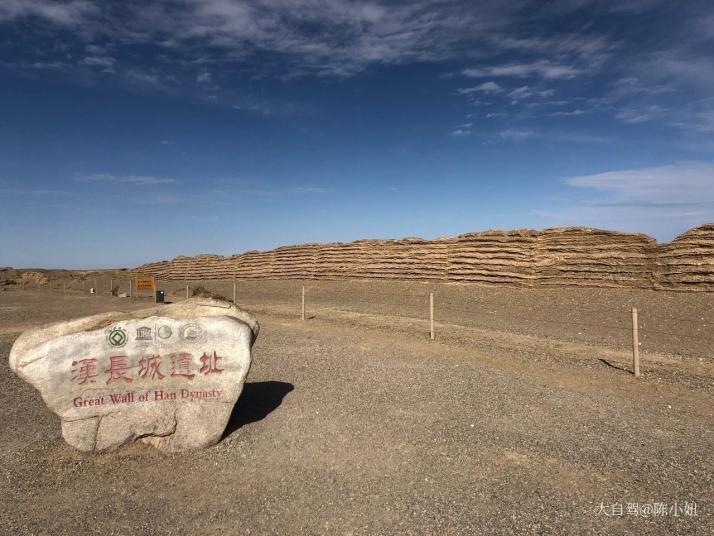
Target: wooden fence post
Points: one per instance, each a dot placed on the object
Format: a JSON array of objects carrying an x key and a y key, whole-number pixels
[
  {"x": 302, "y": 314},
  {"x": 187, "y": 291},
  {"x": 431, "y": 316},
  {"x": 111, "y": 284},
  {"x": 83, "y": 286},
  {"x": 635, "y": 344},
  {"x": 234, "y": 293},
  {"x": 96, "y": 287}
]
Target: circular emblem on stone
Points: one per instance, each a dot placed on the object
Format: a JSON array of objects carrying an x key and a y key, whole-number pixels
[
  {"x": 117, "y": 337},
  {"x": 164, "y": 332},
  {"x": 191, "y": 331}
]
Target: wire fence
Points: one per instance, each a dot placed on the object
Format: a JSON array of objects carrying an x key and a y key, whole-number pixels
[{"x": 443, "y": 305}]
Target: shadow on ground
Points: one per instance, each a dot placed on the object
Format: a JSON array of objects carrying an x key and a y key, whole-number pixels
[
  {"x": 613, "y": 365},
  {"x": 256, "y": 402}
]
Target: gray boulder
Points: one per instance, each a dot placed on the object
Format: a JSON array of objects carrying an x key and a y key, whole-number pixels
[{"x": 168, "y": 376}]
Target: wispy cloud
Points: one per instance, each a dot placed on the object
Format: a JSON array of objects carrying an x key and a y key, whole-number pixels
[
  {"x": 337, "y": 38},
  {"x": 138, "y": 180},
  {"x": 543, "y": 68},
  {"x": 306, "y": 190},
  {"x": 204, "y": 78},
  {"x": 697, "y": 121},
  {"x": 36, "y": 192},
  {"x": 327, "y": 38},
  {"x": 71, "y": 13},
  {"x": 527, "y": 92},
  {"x": 488, "y": 88},
  {"x": 568, "y": 113},
  {"x": 650, "y": 199},
  {"x": 640, "y": 114},
  {"x": 190, "y": 44},
  {"x": 682, "y": 182},
  {"x": 106, "y": 63},
  {"x": 461, "y": 131},
  {"x": 512, "y": 134},
  {"x": 520, "y": 93}
]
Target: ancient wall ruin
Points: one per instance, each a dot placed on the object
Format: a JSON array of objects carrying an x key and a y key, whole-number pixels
[{"x": 553, "y": 257}]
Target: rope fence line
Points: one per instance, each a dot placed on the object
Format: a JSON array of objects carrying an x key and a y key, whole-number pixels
[
  {"x": 419, "y": 301},
  {"x": 479, "y": 303},
  {"x": 633, "y": 327},
  {"x": 538, "y": 319},
  {"x": 331, "y": 293},
  {"x": 451, "y": 308}
]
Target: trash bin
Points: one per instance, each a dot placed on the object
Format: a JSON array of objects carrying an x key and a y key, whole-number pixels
[{"x": 159, "y": 296}]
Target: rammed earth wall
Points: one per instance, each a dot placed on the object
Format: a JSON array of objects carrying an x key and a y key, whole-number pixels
[{"x": 571, "y": 256}]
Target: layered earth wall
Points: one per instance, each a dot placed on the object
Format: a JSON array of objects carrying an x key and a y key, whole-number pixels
[{"x": 553, "y": 257}]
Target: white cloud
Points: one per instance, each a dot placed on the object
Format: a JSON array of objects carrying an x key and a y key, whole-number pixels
[
  {"x": 520, "y": 93},
  {"x": 99, "y": 61},
  {"x": 96, "y": 50},
  {"x": 71, "y": 13},
  {"x": 568, "y": 113},
  {"x": 335, "y": 38},
  {"x": 318, "y": 37},
  {"x": 138, "y": 180},
  {"x": 681, "y": 66},
  {"x": 640, "y": 114},
  {"x": 661, "y": 200},
  {"x": 105, "y": 63},
  {"x": 462, "y": 131},
  {"x": 488, "y": 88},
  {"x": 695, "y": 119},
  {"x": 35, "y": 192},
  {"x": 632, "y": 86},
  {"x": 685, "y": 182},
  {"x": 204, "y": 78},
  {"x": 49, "y": 65},
  {"x": 542, "y": 68},
  {"x": 662, "y": 222},
  {"x": 306, "y": 190},
  {"x": 517, "y": 135}
]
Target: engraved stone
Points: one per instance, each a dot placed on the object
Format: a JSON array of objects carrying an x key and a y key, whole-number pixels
[{"x": 168, "y": 376}]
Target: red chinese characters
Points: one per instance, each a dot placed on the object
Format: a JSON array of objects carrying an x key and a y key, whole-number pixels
[
  {"x": 210, "y": 364},
  {"x": 84, "y": 370},
  {"x": 118, "y": 369},
  {"x": 181, "y": 365},
  {"x": 149, "y": 366}
]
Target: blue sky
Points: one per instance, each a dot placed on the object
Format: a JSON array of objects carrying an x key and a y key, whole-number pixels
[{"x": 138, "y": 131}]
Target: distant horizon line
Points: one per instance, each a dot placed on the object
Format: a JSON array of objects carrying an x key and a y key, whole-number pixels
[{"x": 416, "y": 238}]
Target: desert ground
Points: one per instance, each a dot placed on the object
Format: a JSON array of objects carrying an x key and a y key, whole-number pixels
[{"x": 522, "y": 417}]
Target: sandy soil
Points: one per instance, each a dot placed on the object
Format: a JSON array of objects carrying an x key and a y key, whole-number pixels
[{"x": 354, "y": 422}]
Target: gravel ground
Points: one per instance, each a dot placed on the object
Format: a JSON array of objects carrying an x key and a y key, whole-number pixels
[
  {"x": 672, "y": 323},
  {"x": 355, "y": 423}
]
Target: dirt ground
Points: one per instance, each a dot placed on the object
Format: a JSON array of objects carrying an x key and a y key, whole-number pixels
[{"x": 521, "y": 417}]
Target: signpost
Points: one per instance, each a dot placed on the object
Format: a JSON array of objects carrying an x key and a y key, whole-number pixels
[{"x": 142, "y": 283}]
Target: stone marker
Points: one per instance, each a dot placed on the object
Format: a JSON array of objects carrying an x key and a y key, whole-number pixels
[{"x": 168, "y": 376}]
